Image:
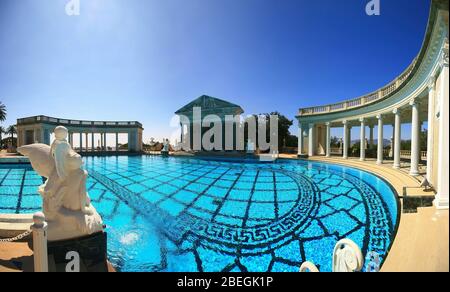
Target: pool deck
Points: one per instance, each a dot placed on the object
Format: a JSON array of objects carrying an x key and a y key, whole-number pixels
[
  {"x": 398, "y": 178},
  {"x": 12, "y": 158},
  {"x": 422, "y": 240},
  {"x": 421, "y": 243},
  {"x": 16, "y": 257}
]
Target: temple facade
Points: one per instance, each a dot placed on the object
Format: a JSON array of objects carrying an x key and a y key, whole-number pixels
[{"x": 197, "y": 119}]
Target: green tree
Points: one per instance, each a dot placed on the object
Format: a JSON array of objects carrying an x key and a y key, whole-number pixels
[
  {"x": 2, "y": 131},
  {"x": 423, "y": 140},
  {"x": 284, "y": 136},
  {"x": 11, "y": 130},
  {"x": 405, "y": 145},
  {"x": 335, "y": 142},
  {"x": 292, "y": 141},
  {"x": 355, "y": 149},
  {"x": 2, "y": 112}
]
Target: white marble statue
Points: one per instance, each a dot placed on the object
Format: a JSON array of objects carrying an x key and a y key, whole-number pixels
[
  {"x": 166, "y": 145},
  {"x": 66, "y": 203},
  {"x": 347, "y": 256}
]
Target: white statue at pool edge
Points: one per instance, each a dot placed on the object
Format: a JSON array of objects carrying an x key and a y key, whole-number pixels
[{"x": 66, "y": 204}]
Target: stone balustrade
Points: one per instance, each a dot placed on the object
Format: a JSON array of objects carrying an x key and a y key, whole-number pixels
[{"x": 370, "y": 98}]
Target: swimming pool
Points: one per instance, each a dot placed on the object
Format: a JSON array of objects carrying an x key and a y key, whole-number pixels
[{"x": 181, "y": 214}]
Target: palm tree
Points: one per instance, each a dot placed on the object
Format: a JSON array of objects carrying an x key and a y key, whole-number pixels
[
  {"x": 11, "y": 131},
  {"x": 2, "y": 130},
  {"x": 2, "y": 112},
  {"x": 2, "y": 119}
]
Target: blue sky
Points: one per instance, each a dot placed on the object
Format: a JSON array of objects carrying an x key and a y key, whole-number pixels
[{"x": 144, "y": 59}]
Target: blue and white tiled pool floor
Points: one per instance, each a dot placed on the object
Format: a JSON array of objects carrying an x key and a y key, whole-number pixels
[
  {"x": 18, "y": 190},
  {"x": 192, "y": 215}
]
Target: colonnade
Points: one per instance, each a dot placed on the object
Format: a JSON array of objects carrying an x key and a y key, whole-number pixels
[
  {"x": 409, "y": 113},
  {"x": 101, "y": 144}
]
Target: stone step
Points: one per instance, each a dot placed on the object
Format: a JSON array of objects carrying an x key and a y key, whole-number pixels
[
  {"x": 8, "y": 229},
  {"x": 14, "y": 159},
  {"x": 16, "y": 218}
]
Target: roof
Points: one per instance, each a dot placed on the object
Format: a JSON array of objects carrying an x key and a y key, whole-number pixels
[
  {"x": 211, "y": 104},
  {"x": 77, "y": 123}
]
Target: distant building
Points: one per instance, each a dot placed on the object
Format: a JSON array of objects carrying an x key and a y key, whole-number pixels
[
  {"x": 38, "y": 129},
  {"x": 209, "y": 106}
]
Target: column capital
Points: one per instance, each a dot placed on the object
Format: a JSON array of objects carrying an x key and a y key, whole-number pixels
[
  {"x": 396, "y": 111},
  {"x": 362, "y": 120},
  {"x": 444, "y": 54},
  {"x": 345, "y": 122},
  {"x": 327, "y": 124},
  {"x": 379, "y": 117},
  {"x": 413, "y": 101},
  {"x": 431, "y": 83}
]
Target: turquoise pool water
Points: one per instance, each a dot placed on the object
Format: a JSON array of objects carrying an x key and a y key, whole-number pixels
[{"x": 179, "y": 214}]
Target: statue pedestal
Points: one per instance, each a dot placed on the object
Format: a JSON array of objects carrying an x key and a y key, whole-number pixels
[{"x": 91, "y": 249}]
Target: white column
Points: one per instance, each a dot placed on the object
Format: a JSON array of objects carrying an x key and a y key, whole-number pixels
[
  {"x": 311, "y": 140},
  {"x": 430, "y": 130},
  {"x": 397, "y": 138},
  {"x": 87, "y": 141},
  {"x": 300, "y": 139},
  {"x": 349, "y": 136},
  {"x": 345, "y": 140},
  {"x": 442, "y": 200},
  {"x": 19, "y": 138},
  {"x": 140, "y": 145},
  {"x": 182, "y": 134},
  {"x": 363, "y": 140},
  {"x": 35, "y": 136},
  {"x": 391, "y": 151},
  {"x": 328, "y": 139},
  {"x": 380, "y": 145},
  {"x": 24, "y": 137},
  {"x": 39, "y": 229},
  {"x": 104, "y": 142},
  {"x": 415, "y": 139},
  {"x": 93, "y": 141},
  {"x": 81, "y": 142},
  {"x": 117, "y": 141}
]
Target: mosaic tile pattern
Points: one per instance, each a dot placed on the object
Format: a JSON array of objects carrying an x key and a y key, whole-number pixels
[{"x": 192, "y": 215}]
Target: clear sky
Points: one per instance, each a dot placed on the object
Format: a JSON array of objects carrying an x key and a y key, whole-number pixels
[{"x": 144, "y": 59}]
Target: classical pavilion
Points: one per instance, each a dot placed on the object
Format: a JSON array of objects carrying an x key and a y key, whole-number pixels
[
  {"x": 38, "y": 129},
  {"x": 420, "y": 94},
  {"x": 212, "y": 110}
]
